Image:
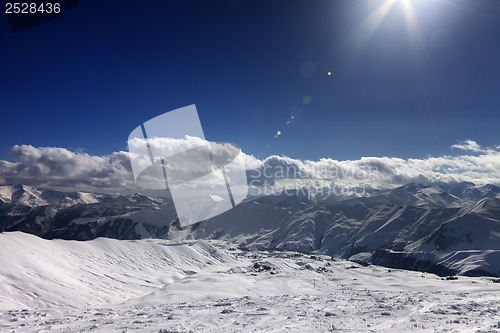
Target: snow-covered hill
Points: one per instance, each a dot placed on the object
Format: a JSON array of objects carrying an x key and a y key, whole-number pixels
[
  {"x": 107, "y": 285},
  {"x": 96, "y": 273},
  {"x": 440, "y": 228}
]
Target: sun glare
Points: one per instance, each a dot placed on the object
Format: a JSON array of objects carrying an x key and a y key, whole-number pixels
[
  {"x": 386, "y": 7},
  {"x": 358, "y": 38}
]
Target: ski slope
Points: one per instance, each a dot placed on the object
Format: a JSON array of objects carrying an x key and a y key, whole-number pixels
[{"x": 109, "y": 285}]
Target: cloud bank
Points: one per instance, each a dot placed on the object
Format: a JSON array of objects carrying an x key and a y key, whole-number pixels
[
  {"x": 60, "y": 168},
  {"x": 63, "y": 169}
]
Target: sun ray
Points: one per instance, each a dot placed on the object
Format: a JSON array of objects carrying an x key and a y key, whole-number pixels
[
  {"x": 354, "y": 43},
  {"x": 426, "y": 76}
]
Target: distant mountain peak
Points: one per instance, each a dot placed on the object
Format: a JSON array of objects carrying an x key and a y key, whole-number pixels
[{"x": 414, "y": 218}]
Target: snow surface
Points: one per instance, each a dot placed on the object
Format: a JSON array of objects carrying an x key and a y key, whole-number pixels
[
  {"x": 6, "y": 193},
  {"x": 109, "y": 285}
]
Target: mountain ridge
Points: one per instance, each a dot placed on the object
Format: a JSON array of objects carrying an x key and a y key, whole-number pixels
[{"x": 438, "y": 220}]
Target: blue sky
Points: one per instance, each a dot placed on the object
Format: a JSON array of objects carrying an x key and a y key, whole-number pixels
[{"x": 405, "y": 83}]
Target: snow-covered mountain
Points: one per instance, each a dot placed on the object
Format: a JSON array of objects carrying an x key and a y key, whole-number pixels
[
  {"x": 83, "y": 216},
  {"x": 442, "y": 228},
  {"x": 33, "y": 197},
  {"x": 152, "y": 285}
]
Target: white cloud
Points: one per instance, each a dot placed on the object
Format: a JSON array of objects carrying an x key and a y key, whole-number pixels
[
  {"x": 76, "y": 171},
  {"x": 383, "y": 172},
  {"x": 67, "y": 170},
  {"x": 473, "y": 146},
  {"x": 60, "y": 168}
]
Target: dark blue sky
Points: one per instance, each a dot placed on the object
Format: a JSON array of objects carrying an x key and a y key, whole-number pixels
[{"x": 86, "y": 79}]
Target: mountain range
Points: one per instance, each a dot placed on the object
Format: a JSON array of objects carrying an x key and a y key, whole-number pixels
[{"x": 446, "y": 229}]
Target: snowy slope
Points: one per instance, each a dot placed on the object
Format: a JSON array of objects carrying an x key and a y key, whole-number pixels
[
  {"x": 6, "y": 193},
  {"x": 39, "y": 273},
  {"x": 159, "y": 286}
]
